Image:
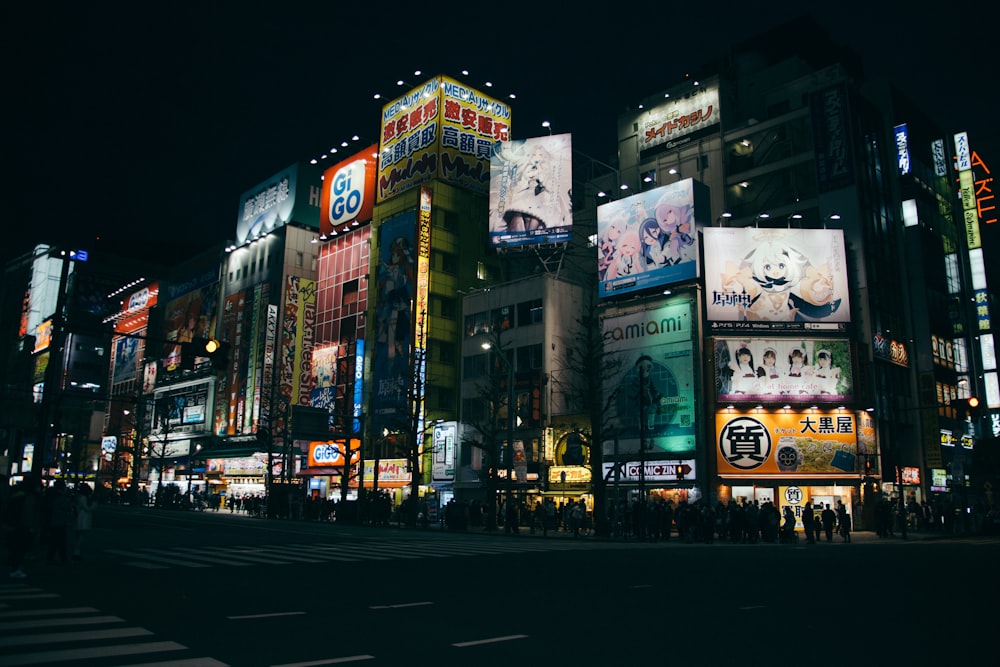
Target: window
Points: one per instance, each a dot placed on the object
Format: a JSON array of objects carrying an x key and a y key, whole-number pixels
[
  {"x": 443, "y": 351},
  {"x": 443, "y": 306},
  {"x": 449, "y": 262},
  {"x": 475, "y": 366},
  {"x": 350, "y": 292},
  {"x": 298, "y": 259},
  {"x": 530, "y": 357},
  {"x": 529, "y": 312}
]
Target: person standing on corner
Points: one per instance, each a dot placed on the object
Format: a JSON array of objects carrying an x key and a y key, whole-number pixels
[
  {"x": 844, "y": 521},
  {"x": 84, "y": 518},
  {"x": 829, "y": 519},
  {"x": 60, "y": 521},
  {"x": 807, "y": 522},
  {"x": 20, "y": 523}
]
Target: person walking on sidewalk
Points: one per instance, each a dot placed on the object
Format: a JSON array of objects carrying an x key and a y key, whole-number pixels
[{"x": 844, "y": 521}]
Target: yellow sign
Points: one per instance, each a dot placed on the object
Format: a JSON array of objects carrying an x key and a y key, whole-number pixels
[{"x": 796, "y": 443}]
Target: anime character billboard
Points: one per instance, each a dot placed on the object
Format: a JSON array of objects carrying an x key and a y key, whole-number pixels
[
  {"x": 653, "y": 394},
  {"x": 650, "y": 239},
  {"x": 788, "y": 370},
  {"x": 775, "y": 279},
  {"x": 531, "y": 183},
  {"x": 396, "y": 276}
]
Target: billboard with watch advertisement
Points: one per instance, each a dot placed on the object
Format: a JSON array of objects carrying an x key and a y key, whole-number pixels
[
  {"x": 799, "y": 443},
  {"x": 779, "y": 279},
  {"x": 792, "y": 370},
  {"x": 531, "y": 185}
]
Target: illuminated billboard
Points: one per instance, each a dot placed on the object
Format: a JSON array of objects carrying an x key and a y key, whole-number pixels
[
  {"x": 441, "y": 129},
  {"x": 189, "y": 312},
  {"x": 531, "y": 183},
  {"x": 653, "y": 384},
  {"x": 775, "y": 279},
  {"x": 786, "y": 443},
  {"x": 786, "y": 369},
  {"x": 348, "y": 195},
  {"x": 650, "y": 239},
  {"x": 291, "y": 194},
  {"x": 677, "y": 120},
  {"x": 394, "y": 330}
]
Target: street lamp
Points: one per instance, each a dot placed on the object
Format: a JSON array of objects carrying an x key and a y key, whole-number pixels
[{"x": 509, "y": 449}]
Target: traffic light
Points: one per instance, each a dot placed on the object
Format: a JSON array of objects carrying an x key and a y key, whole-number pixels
[
  {"x": 216, "y": 351},
  {"x": 966, "y": 408}
]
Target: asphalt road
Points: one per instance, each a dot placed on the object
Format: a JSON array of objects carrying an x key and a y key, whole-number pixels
[{"x": 185, "y": 589}]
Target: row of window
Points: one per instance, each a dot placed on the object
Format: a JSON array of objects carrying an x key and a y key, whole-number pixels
[{"x": 505, "y": 317}]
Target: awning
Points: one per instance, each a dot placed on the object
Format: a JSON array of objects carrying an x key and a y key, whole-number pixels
[
  {"x": 238, "y": 452},
  {"x": 320, "y": 472}
]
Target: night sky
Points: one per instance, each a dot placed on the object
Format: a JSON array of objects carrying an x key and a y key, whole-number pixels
[{"x": 130, "y": 128}]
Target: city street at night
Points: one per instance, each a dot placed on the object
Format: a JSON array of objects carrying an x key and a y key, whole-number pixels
[{"x": 210, "y": 589}]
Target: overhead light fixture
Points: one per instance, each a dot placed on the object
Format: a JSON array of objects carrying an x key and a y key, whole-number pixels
[{"x": 672, "y": 170}]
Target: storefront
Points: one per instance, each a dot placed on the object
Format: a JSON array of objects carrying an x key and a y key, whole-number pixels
[{"x": 789, "y": 458}]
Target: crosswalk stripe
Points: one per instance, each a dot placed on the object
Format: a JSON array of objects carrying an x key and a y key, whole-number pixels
[
  {"x": 67, "y": 655},
  {"x": 50, "y": 622},
  {"x": 87, "y": 635},
  {"x": 23, "y": 613},
  {"x": 190, "y": 662},
  {"x": 225, "y": 556},
  {"x": 155, "y": 558}
]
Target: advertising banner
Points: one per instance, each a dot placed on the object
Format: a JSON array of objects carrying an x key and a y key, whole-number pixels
[
  {"x": 291, "y": 194},
  {"x": 189, "y": 312},
  {"x": 531, "y": 182},
  {"x": 441, "y": 129},
  {"x": 392, "y": 473},
  {"x": 783, "y": 369},
  {"x": 793, "y": 443},
  {"x": 653, "y": 386},
  {"x": 331, "y": 453},
  {"x": 126, "y": 359},
  {"x": 445, "y": 435},
  {"x": 348, "y": 196},
  {"x": 396, "y": 285},
  {"x": 676, "y": 120},
  {"x": 831, "y": 122},
  {"x": 776, "y": 279},
  {"x": 650, "y": 239}
]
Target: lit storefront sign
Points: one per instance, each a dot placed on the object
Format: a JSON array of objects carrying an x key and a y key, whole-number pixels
[
  {"x": 795, "y": 443},
  {"x": 331, "y": 453},
  {"x": 902, "y": 149},
  {"x": 652, "y": 471}
]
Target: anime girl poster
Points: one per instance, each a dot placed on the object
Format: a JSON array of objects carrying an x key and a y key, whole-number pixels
[
  {"x": 649, "y": 239},
  {"x": 531, "y": 191},
  {"x": 776, "y": 275},
  {"x": 396, "y": 290}
]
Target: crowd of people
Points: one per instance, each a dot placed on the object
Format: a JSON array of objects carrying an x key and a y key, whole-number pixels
[{"x": 56, "y": 516}]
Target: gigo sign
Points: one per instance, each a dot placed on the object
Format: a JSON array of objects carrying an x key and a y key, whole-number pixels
[
  {"x": 331, "y": 453},
  {"x": 348, "y": 192}
]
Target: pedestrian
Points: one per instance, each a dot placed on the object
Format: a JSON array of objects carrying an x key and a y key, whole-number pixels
[
  {"x": 844, "y": 521},
  {"x": 59, "y": 521},
  {"x": 807, "y": 522},
  {"x": 19, "y": 522},
  {"x": 788, "y": 526},
  {"x": 84, "y": 518},
  {"x": 576, "y": 513},
  {"x": 829, "y": 519}
]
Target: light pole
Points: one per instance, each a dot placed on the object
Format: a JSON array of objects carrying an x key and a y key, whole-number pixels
[{"x": 509, "y": 449}]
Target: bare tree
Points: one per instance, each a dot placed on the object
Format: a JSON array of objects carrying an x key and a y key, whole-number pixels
[
  {"x": 490, "y": 425},
  {"x": 583, "y": 380}
]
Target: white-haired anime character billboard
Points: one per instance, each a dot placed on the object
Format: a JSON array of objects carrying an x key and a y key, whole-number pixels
[{"x": 796, "y": 276}]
